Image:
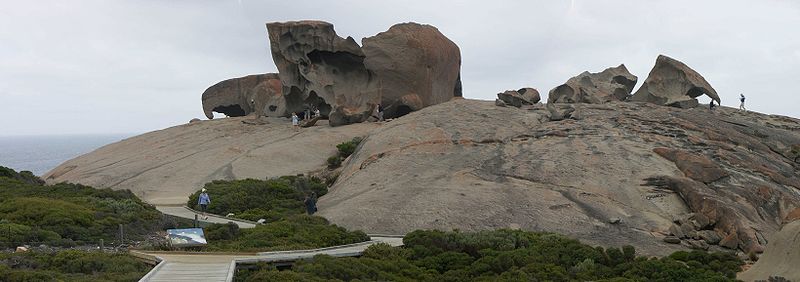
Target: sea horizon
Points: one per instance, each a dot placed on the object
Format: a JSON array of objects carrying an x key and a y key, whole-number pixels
[{"x": 42, "y": 153}]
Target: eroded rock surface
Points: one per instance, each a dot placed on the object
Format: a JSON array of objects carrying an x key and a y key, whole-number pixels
[
  {"x": 318, "y": 68},
  {"x": 781, "y": 258},
  {"x": 415, "y": 65},
  {"x": 612, "y": 84},
  {"x": 576, "y": 176},
  {"x": 259, "y": 93},
  {"x": 166, "y": 166},
  {"x": 673, "y": 83}
]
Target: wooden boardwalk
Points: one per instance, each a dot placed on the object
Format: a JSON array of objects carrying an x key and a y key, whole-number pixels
[
  {"x": 196, "y": 267},
  {"x": 221, "y": 267},
  {"x": 184, "y": 212}
]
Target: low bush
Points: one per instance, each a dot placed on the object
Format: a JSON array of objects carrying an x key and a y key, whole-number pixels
[
  {"x": 346, "y": 149},
  {"x": 70, "y": 265},
  {"x": 505, "y": 255},
  {"x": 292, "y": 233},
  {"x": 253, "y": 199},
  {"x": 334, "y": 162},
  {"x": 65, "y": 214}
]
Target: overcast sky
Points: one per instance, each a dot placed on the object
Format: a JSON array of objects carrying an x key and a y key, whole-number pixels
[{"x": 74, "y": 67}]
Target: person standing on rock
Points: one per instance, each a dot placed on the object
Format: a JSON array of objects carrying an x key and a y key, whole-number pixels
[
  {"x": 204, "y": 200},
  {"x": 311, "y": 203},
  {"x": 379, "y": 112},
  {"x": 711, "y": 105},
  {"x": 295, "y": 122},
  {"x": 741, "y": 105}
]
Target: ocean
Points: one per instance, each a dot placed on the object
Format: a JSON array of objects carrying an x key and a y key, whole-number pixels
[{"x": 40, "y": 154}]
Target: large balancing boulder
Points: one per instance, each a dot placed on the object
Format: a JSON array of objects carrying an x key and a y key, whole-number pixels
[
  {"x": 416, "y": 66},
  {"x": 673, "y": 83},
  {"x": 612, "y": 84},
  {"x": 317, "y": 68},
  {"x": 258, "y": 93}
]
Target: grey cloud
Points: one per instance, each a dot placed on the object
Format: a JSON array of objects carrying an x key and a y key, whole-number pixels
[{"x": 135, "y": 66}]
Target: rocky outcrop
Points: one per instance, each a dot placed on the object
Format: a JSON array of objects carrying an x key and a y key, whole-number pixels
[
  {"x": 166, "y": 166},
  {"x": 518, "y": 98},
  {"x": 318, "y": 68},
  {"x": 612, "y": 84},
  {"x": 673, "y": 83},
  {"x": 415, "y": 66},
  {"x": 583, "y": 171},
  {"x": 609, "y": 174},
  {"x": 259, "y": 93},
  {"x": 780, "y": 259},
  {"x": 406, "y": 68}
]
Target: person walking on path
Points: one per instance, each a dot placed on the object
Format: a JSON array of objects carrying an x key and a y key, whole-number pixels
[
  {"x": 204, "y": 200},
  {"x": 311, "y": 203},
  {"x": 295, "y": 122},
  {"x": 741, "y": 106}
]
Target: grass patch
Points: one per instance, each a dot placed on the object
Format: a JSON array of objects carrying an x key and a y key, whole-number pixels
[{"x": 503, "y": 255}]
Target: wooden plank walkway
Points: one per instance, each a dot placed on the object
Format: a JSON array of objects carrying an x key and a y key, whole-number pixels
[
  {"x": 182, "y": 266},
  {"x": 221, "y": 267},
  {"x": 184, "y": 212}
]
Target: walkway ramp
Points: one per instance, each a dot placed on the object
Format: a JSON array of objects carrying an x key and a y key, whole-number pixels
[
  {"x": 185, "y": 212},
  {"x": 175, "y": 266}
]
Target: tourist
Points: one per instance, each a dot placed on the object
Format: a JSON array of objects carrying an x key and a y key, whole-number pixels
[
  {"x": 741, "y": 106},
  {"x": 317, "y": 114},
  {"x": 711, "y": 105},
  {"x": 203, "y": 201},
  {"x": 379, "y": 112},
  {"x": 311, "y": 203},
  {"x": 295, "y": 122}
]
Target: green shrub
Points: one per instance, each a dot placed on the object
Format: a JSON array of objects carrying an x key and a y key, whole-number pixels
[
  {"x": 253, "y": 199},
  {"x": 348, "y": 148},
  {"x": 334, "y": 162},
  {"x": 65, "y": 214},
  {"x": 292, "y": 233},
  {"x": 70, "y": 265},
  {"x": 226, "y": 231},
  {"x": 509, "y": 255}
]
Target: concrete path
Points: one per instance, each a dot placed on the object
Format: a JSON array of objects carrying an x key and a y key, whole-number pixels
[
  {"x": 184, "y": 212},
  {"x": 221, "y": 267}
]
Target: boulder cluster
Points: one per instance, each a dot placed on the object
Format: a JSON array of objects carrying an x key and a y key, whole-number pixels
[
  {"x": 406, "y": 68},
  {"x": 670, "y": 83}
]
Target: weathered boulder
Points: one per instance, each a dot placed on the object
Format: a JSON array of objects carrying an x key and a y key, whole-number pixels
[
  {"x": 243, "y": 95},
  {"x": 518, "y": 98},
  {"x": 415, "y": 65},
  {"x": 673, "y": 83},
  {"x": 612, "y": 84},
  {"x": 694, "y": 166},
  {"x": 318, "y": 68}
]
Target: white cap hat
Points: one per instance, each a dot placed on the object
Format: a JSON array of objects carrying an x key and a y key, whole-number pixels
[{"x": 204, "y": 189}]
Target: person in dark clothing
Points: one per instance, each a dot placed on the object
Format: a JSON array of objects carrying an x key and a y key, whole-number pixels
[
  {"x": 311, "y": 203},
  {"x": 711, "y": 105}
]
